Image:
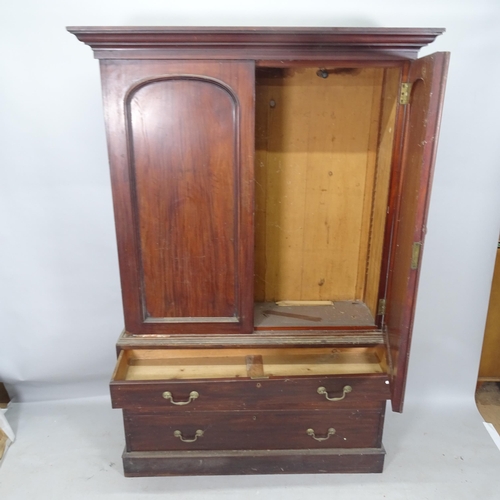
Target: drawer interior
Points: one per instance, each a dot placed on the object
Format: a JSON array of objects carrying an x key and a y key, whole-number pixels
[{"x": 182, "y": 364}]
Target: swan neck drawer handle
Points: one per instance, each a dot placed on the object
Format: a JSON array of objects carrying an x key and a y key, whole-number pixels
[
  {"x": 330, "y": 432},
  {"x": 197, "y": 434},
  {"x": 192, "y": 396},
  {"x": 346, "y": 390}
]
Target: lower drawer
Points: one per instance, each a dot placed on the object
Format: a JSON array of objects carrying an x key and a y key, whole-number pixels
[{"x": 247, "y": 430}]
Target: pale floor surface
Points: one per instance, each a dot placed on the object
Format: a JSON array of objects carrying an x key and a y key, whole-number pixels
[{"x": 72, "y": 450}]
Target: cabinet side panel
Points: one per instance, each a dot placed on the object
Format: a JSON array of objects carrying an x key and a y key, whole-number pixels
[
  {"x": 427, "y": 79},
  {"x": 182, "y": 137}
]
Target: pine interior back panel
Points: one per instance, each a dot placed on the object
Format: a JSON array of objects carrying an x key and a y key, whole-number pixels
[{"x": 322, "y": 172}]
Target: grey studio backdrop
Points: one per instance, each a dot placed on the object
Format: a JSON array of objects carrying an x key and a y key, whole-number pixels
[{"x": 59, "y": 284}]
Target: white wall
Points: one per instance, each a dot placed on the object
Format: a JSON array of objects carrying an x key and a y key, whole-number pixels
[{"x": 59, "y": 286}]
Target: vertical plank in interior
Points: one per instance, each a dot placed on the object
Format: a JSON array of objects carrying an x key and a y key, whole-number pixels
[
  {"x": 338, "y": 149},
  {"x": 286, "y": 175},
  {"x": 262, "y": 99},
  {"x": 371, "y": 172},
  {"x": 320, "y": 187},
  {"x": 381, "y": 188}
]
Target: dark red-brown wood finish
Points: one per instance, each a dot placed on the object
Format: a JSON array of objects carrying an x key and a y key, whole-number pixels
[
  {"x": 266, "y": 394},
  {"x": 180, "y": 141},
  {"x": 247, "y": 430},
  {"x": 427, "y": 77},
  {"x": 255, "y": 43},
  {"x": 324, "y": 461},
  {"x": 179, "y": 109}
]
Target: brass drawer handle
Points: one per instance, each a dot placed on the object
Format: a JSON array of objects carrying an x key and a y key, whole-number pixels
[
  {"x": 192, "y": 396},
  {"x": 346, "y": 390},
  {"x": 197, "y": 434},
  {"x": 331, "y": 432}
]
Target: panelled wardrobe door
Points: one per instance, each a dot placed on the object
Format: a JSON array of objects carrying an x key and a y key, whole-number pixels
[
  {"x": 180, "y": 141},
  {"x": 427, "y": 79}
]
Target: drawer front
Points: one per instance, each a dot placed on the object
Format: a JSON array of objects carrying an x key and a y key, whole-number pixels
[
  {"x": 360, "y": 391},
  {"x": 264, "y": 430}
]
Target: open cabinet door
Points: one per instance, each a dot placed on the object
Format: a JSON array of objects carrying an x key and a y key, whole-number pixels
[{"x": 427, "y": 78}]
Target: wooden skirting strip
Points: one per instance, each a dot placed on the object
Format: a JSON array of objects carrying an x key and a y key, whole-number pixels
[{"x": 179, "y": 463}]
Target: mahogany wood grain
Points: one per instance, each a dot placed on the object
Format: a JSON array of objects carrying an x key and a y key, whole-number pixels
[
  {"x": 180, "y": 120},
  {"x": 428, "y": 77},
  {"x": 182, "y": 176},
  {"x": 376, "y": 44},
  {"x": 249, "y": 430},
  {"x": 368, "y": 391},
  {"x": 184, "y": 140},
  {"x": 183, "y": 463}
]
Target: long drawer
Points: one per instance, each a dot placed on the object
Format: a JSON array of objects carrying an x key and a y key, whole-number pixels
[
  {"x": 260, "y": 430},
  {"x": 242, "y": 379}
]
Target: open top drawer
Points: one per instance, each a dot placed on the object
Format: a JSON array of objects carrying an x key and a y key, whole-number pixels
[{"x": 232, "y": 379}]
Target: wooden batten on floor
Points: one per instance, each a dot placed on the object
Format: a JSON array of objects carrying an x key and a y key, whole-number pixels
[{"x": 342, "y": 314}]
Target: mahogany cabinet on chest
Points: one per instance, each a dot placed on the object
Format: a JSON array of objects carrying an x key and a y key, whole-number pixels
[{"x": 270, "y": 190}]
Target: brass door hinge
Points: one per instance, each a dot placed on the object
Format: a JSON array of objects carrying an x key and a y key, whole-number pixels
[
  {"x": 404, "y": 94},
  {"x": 381, "y": 307},
  {"x": 415, "y": 254}
]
